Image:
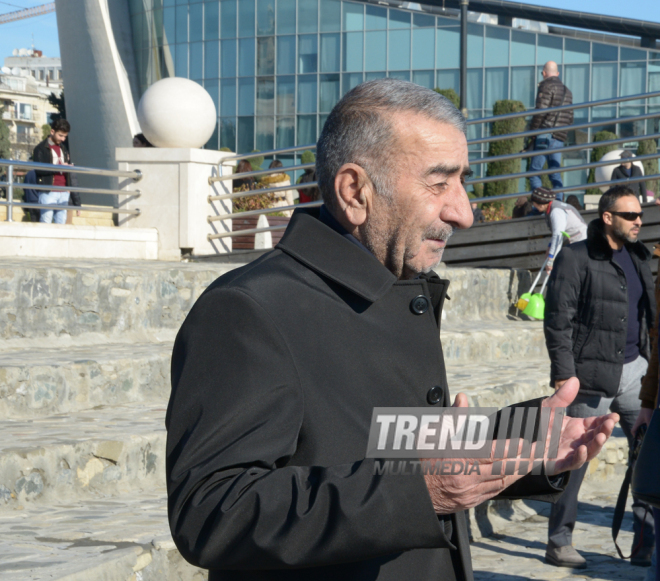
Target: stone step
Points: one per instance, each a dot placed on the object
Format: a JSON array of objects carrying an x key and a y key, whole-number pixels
[
  {"x": 45, "y": 298},
  {"x": 105, "y": 451},
  {"x": 125, "y": 538}
]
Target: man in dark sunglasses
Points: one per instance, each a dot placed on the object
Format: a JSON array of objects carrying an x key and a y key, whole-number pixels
[{"x": 599, "y": 311}]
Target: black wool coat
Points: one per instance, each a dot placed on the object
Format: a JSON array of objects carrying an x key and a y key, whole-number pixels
[
  {"x": 586, "y": 312},
  {"x": 275, "y": 374}
]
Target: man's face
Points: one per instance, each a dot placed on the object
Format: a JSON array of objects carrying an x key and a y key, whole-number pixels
[
  {"x": 58, "y": 137},
  {"x": 619, "y": 228},
  {"x": 408, "y": 233},
  {"x": 627, "y": 164}
]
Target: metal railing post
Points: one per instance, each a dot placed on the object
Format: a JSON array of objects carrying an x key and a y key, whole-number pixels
[{"x": 10, "y": 194}]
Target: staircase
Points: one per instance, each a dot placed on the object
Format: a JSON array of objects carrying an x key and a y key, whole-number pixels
[{"x": 84, "y": 383}]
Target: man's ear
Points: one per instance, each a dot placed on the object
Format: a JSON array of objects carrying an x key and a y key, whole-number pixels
[
  {"x": 607, "y": 218},
  {"x": 354, "y": 193}
]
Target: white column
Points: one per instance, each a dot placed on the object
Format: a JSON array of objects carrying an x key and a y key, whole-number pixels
[{"x": 174, "y": 198}]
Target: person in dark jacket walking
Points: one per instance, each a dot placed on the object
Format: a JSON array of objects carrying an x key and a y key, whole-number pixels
[
  {"x": 279, "y": 365},
  {"x": 599, "y": 311},
  {"x": 552, "y": 93},
  {"x": 628, "y": 170},
  {"x": 53, "y": 150},
  {"x": 31, "y": 196}
]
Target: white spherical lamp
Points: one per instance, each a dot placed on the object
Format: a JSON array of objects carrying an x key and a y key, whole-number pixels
[
  {"x": 177, "y": 112},
  {"x": 604, "y": 172}
]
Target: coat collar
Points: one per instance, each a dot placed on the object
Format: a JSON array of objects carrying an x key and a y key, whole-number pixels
[
  {"x": 327, "y": 252},
  {"x": 599, "y": 248}
]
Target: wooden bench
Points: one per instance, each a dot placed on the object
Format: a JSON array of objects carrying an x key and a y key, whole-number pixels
[{"x": 247, "y": 242}]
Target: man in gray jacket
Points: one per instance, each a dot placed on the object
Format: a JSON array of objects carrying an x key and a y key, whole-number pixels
[{"x": 599, "y": 310}]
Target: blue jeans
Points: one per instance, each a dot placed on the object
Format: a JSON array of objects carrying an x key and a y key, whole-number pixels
[
  {"x": 53, "y": 198},
  {"x": 554, "y": 161}
]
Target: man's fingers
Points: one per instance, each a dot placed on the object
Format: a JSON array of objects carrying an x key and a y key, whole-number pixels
[
  {"x": 564, "y": 395},
  {"x": 461, "y": 401}
]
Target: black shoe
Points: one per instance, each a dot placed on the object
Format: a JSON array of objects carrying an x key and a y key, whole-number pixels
[
  {"x": 642, "y": 558},
  {"x": 565, "y": 556}
]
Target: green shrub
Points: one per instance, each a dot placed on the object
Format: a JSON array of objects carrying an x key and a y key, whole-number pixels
[
  {"x": 225, "y": 149},
  {"x": 504, "y": 147},
  {"x": 596, "y": 154},
  {"x": 256, "y": 161},
  {"x": 307, "y": 157},
  {"x": 649, "y": 147},
  {"x": 45, "y": 131},
  {"x": 451, "y": 95}
]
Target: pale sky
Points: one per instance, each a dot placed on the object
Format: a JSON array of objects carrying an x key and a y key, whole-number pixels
[{"x": 44, "y": 28}]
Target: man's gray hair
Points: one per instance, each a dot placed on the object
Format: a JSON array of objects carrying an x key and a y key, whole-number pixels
[{"x": 359, "y": 130}]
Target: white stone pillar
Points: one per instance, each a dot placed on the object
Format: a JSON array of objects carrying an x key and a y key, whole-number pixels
[{"x": 174, "y": 198}]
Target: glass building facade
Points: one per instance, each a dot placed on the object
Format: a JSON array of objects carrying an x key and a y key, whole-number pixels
[{"x": 275, "y": 68}]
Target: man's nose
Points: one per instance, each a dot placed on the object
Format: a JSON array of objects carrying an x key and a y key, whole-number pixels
[{"x": 458, "y": 211}]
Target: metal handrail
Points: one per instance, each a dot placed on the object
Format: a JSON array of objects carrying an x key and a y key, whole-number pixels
[
  {"x": 258, "y": 192},
  {"x": 134, "y": 212},
  {"x": 488, "y": 199},
  {"x": 576, "y": 147},
  {"x": 260, "y": 172},
  {"x": 585, "y": 105},
  {"x": 136, "y": 175},
  {"x": 47, "y": 188},
  {"x": 245, "y": 232},
  {"x": 568, "y": 168},
  {"x": 273, "y": 210},
  {"x": 269, "y": 153}
]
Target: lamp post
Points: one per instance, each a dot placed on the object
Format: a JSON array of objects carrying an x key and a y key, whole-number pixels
[{"x": 463, "y": 78}]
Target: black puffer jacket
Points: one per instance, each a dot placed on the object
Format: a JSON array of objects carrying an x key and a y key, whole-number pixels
[
  {"x": 638, "y": 187},
  {"x": 586, "y": 311},
  {"x": 553, "y": 93}
]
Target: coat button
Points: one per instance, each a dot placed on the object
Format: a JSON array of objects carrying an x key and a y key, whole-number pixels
[
  {"x": 623, "y": 319},
  {"x": 419, "y": 305},
  {"x": 623, "y": 287},
  {"x": 434, "y": 395},
  {"x": 619, "y": 352}
]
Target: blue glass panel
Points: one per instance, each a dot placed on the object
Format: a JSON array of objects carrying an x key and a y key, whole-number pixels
[
  {"x": 330, "y": 52},
  {"x": 576, "y": 51},
  {"x": 549, "y": 49},
  {"x": 423, "y": 55},
  {"x": 265, "y": 96},
  {"x": 523, "y": 85},
  {"x": 447, "y": 21},
  {"x": 350, "y": 80},
  {"x": 374, "y": 76},
  {"x": 352, "y": 51},
  {"x": 401, "y": 75},
  {"x": 475, "y": 86},
  {"x": 227, "y": 18},
  {"x": 286, "y": 16},
  {"x": 246, "y": 18},
  {"x": 181, "y": 64},
  {"x": 424, "y": 78},
  {"x": 353, "y": 16},
  {"x": 265, "y": 133},
  {"x": 577, "y": 78},
  {"x": 228, "y": 97},
  {"x": 169, "y": 3},
  {"x": 523, "y": 48},
  {"x": 212, "y": 143},
  {"x": 633, "y": 81},
  {"x": 497, "y": 85},
  {"x": 266, "y": 55},
  {"x": 135, "y": 6},
  {"x": 604, "y": 81},
  {"x": 227, "y": 58},
  {"x": 475, "y": 45},
  {"x": 285, "y": 135},
  {"x": 497, "y": 46},
  {"x": 196, "y": 24},
  {"x": 212, "y": 59},
  {"x": 246, "y": 57},
  {"x": 286, "y": 55},
  {"x": 375, "y": 58},
  {"x": 308, "y": 15},
  {"x": 245, "y": 134},
  {"x": 399, "y": 19},
  {"x": 307, "y": 53},
  {"x": 169, "y": 26},
  {"x": 447, "y": 48},
  {"x": 423, "y": 20},
  {"x": 212, "y": 87},
  {"x": 376, "y": 18},
  {"x": 449, "y": 80},
  {"x": 306, "y": 127},
  {"x": 181, "y": 24},
  {"x": 630, "y": 54},
  {"x": 604, "y": 52},
  {"x": 181, "y": 2},
  {"x": 265, "y": 17},
  {"x": 140, "y": 32},
  {"x": 399, "y": 50},
  {"x": 228, "y": 133},
  {"x": 328, "y": 92},
  {"x": 654, "y": 81},
  {"x": 246, "y": 96},
  {"x": 211, "y": 21},
  {"x": 286, "y": 95},
  {"x": 330, "y": 19},
  {"x": 307, "y": 94}
]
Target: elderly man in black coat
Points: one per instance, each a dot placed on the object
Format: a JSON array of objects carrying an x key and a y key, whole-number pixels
[{"x": 279, "y": 365}]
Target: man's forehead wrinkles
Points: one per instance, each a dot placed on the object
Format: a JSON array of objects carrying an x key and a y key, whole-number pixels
[{"x": 447, "y": 169}]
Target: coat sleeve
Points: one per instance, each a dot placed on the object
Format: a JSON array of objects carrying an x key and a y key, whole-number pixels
[
  {"x": 649, "y": 391},
  {"x": 234, "y": 422},
  {"x": 561, "y": 306},
  {"x": 39, "y": 156}
]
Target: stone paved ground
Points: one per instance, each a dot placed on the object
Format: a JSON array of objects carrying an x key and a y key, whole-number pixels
[{"x": 519, "y": 553}]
